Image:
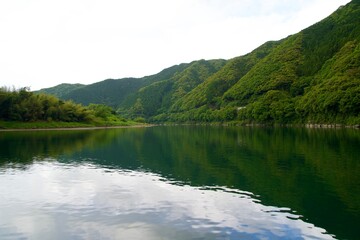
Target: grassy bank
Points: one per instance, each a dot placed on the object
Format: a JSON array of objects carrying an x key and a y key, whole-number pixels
[{"x": 55, "y": 124}]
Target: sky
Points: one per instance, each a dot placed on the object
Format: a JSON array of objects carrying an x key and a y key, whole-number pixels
[{"x": 44, "y": 43}]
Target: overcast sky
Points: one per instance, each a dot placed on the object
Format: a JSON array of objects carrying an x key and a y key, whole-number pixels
[{"x": 46, "y": 42}]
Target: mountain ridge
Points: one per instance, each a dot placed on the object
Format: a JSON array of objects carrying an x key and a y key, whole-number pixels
[{"x": 285, "y": 81}]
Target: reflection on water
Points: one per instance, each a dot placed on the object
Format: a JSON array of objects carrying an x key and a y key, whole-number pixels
[
  {"x": 180, "y": 183},
  {"x": 56, "y": 201}
]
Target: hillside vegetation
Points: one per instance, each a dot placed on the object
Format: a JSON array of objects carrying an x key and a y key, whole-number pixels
[
  {"x": 62, "y": 89},
  {"x": 309, "y": 77},
  {"x": 24, "y": 109}
]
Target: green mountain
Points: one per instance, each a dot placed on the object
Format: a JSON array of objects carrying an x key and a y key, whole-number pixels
[
  {"x": 158, "y": 97},
  {"x": 61, "y": 90},
  {"x": 312, "y": 76},
  {"x": 112, "y": 92}
]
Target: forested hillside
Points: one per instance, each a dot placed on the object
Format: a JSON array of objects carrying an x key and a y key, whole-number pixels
[
  {"x": 112, "y": 92},
  {"x": 21, "y": 105},
  {"x": 61, "y": 90},
  {"x": 309, "y": 77},
  {"x": 162, "y": 95}
]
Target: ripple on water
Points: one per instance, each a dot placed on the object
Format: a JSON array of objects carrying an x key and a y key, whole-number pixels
[{"x": 78, "y": 201}]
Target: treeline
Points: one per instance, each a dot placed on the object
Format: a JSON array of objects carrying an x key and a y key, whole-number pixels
[
  {"x": 272, "y": 93},
  {"x": 309, "y": 77},
  {"x": 25, "y": 106}
]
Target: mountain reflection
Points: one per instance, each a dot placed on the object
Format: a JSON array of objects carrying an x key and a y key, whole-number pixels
[{"x": 312, "y": 172}]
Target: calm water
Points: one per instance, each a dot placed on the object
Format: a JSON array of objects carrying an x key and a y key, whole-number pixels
[{"x": 180, "y": 183}]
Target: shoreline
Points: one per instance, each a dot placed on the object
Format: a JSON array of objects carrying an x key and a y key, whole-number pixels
[
  {"x": 297, "y": 125},
  {"x": 308, "y": 126},
  {"x": 73, "y": 128}
]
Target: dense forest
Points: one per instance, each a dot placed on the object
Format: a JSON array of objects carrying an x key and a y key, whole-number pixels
[
  {"x": 21, "y": 105},
  {"x": 309, "y": 77}
]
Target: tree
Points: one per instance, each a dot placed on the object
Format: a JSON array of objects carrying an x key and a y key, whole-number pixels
[{"x": 137, "y": 110}]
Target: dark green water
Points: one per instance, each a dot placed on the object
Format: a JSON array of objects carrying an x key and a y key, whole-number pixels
[{"x": 181, "y": 182}]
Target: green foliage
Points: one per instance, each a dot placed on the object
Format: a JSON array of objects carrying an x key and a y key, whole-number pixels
[
  {"x": 311, "y": 76},
  {"x": 161, "y": 95},
  {"x": 138, "y": 109},
  {"x": 111, "y": 92},
  {"x": 210, "y": 91},
  {"x": 25, "y": 106},
  {"x": 324, "y": 39},
  {"x": 277, "y": 71},
  {"x": 43, "y": 125},
  {"x": 139, "y": 120},
  {"x": 335, "y": 94},
  {"x": 61, "y": 90},
  {"x": 101, "y": 111},
  {"x": 276, "y": 106}
]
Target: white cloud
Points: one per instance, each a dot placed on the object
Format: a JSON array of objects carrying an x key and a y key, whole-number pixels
[{"x": 45, "y": 43}]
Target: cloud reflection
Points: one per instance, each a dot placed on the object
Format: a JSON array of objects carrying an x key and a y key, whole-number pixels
[{"x": 55, "y": 201}]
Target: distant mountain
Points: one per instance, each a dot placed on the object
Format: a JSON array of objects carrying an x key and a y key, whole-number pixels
[
  {"x": 159, "y": 96},
  {"x": 112, "y": 92},
  {"x": 61, "y": 90},
  {"x": 312, "y": 76}
]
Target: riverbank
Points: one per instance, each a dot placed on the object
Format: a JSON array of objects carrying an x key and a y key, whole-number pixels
[
  {"x": 240, "y": 124},
  {"x": 46, "y": 126}
]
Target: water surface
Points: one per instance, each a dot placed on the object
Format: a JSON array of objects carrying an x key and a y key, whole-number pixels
[{"x": 180, "y": 183}]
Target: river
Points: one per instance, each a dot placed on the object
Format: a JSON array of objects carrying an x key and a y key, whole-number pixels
[{"x": 180, "y": 182}]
